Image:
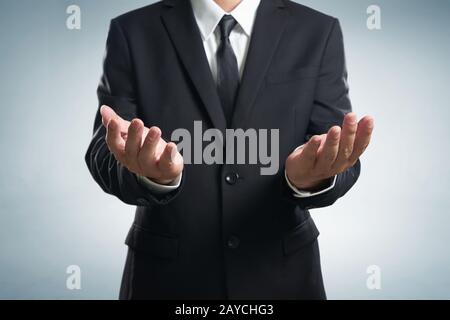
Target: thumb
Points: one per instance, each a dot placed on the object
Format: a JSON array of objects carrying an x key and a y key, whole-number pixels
[
  {"x": 169, "y": 163},
  {"x": 108, "y": 114}
]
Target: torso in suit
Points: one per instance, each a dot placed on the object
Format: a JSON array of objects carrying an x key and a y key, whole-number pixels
[{"x": 227, "y": 231}]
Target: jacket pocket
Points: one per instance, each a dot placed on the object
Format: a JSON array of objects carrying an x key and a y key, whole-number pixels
[
  {"x": 163, "y": 246},
  {"x": 289, "y": 76},
  {"x": 302, "y": 235}
]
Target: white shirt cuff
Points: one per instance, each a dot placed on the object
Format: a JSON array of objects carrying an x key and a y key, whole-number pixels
[
  {"x": 306, "y": 194},
  {"x": 160, "y": 188}
]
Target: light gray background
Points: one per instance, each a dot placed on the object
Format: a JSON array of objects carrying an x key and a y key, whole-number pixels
[{"x": 53, "y": 215}]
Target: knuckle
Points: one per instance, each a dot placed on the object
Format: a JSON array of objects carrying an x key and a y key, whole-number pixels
[
  {"x": 169, "y": 167},
  {"x": 347, "y": 152},
  {"x": 352, "y": 129}
]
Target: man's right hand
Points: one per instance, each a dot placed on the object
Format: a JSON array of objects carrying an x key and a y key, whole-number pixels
[{"x": 141, "y": 149}]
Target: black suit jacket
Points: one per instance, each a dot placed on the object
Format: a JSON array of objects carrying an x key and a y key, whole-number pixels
[{"x": 211, "y": 239}]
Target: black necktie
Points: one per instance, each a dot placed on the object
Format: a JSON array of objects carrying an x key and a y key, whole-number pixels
[{"x": 227, "y": 68}]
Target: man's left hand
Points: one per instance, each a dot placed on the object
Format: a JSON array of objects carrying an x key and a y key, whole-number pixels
[{"x": 327, "y": 155}]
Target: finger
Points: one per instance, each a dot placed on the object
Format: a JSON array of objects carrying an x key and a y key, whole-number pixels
[
  {"x": 363, "y": 136},
  {"x": 148, "y": 150},
  {"x": 108, "y": 114},
  {"x": 114, "y": 140},
  {"x": 167, "y": 161},
  {"x": 328, "y": 153},
  {"x": 348, "y": 133},
  {"x": 297, "y": 152},
  {"x": 309, "y": 153},
  {"x": 133, "y": 144}
]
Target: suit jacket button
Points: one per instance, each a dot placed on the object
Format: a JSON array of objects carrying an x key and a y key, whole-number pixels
[
  {"x": 233, "y": 242},
  {"x": 231, "y": 178}
]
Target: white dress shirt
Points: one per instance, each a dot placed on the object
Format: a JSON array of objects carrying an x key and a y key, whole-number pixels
[{"x": 208, "y": 14}]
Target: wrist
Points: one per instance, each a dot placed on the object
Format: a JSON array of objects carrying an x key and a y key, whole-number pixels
[
  {"x": 164, "y": 182},
  {"x": 310, "y": 186}
]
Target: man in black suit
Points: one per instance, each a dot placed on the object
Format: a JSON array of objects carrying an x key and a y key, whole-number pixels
[{"x": 225, "y": 230}]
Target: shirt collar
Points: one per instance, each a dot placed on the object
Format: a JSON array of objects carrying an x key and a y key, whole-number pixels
[{"x": 208, "y": 15}]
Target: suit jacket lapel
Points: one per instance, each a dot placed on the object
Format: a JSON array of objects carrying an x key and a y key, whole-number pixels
[
  {"x": 269, "y": 25},
  {"x": 183, "y": 31}
]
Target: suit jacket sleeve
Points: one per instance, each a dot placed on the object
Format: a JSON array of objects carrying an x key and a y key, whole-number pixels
[
  {"x": 331, "y": 104},
  {"x": 117, "y": 90}
]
